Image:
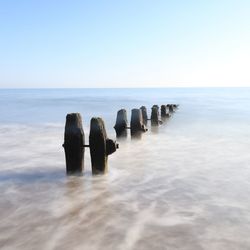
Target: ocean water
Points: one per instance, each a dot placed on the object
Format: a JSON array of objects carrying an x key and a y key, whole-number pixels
[{"x": 184, "y": 185}]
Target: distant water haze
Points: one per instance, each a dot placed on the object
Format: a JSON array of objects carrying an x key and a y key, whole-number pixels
[{"x": 184, "y": 185}]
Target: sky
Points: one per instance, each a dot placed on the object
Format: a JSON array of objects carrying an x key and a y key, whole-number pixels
[{"x": 124, "y": 43}]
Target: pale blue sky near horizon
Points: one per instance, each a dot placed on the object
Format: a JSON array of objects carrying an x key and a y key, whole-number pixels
[{"x": 139, "y": 43}]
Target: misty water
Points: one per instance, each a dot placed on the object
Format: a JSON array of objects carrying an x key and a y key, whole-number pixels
[{"x": 184, "y": 185}]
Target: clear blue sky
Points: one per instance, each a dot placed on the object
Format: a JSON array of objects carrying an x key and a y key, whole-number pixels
[{"x": 124, "y": 43}]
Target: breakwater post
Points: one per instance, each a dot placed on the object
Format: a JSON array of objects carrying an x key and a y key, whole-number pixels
[
  {"x": 144, "y": 115},
  {"x": 164, "y": 111},
  {"x": 155, "y": 121},
  {"x": 74, "y": 143},
  {"x": 100, "y": 146},
  {"x": 171, "y": 108},
  {"x": 121, "y": 124},
  {"x": 136, "y": 123},
  {"x": 175, "y": 106}
]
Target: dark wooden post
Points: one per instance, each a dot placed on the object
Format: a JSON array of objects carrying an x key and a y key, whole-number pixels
[
  {"x": 136, "y": 123},
  {"x": 167, "y": 110},
  {"x": 163, "y": 111},
  {"x": 144, "y": 115},
  {"x": 74, "y": 143},
  {"x": 121, "y": 124},
  {"x": 156, "y": 106},
  {"x": 155, "y": 115},
  {"x": 175, "y": 106},
  {"x": 100, "y": 146},
  {"x": 171, "y": 109}
]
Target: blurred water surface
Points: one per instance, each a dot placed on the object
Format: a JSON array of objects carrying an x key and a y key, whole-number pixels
[{"x": 185, "y": 185}]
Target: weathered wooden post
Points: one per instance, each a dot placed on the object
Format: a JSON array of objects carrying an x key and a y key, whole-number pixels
[
  {"x": 74, "y": 143},
  {"x": 100, "y": 146},
  {"x": 144, "y": 115},
  {"x": 167, "y": 110},
  {"x": 164, "y": 111},
  {"x": 171, "y": 108},
  {"x": 175, "y": 106},
  {"x": 156, "y": 106},
  {"x": 121, "y": 124},
  {"x": 136, "y": 123},
  {"x": 155, "y": 115}
]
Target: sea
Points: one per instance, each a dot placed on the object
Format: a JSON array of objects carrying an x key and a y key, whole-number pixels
[{"x": 183, "y": 185}]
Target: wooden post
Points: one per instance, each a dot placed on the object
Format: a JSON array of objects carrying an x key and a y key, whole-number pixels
[
  {"x": 74, "y": 143},
  {"x": 155, "y": 115},
  {"x": 163, "y": 111},
  {"x": 144, "y": 115},
  {"x": 171, "y": 109},
  {"x": 175, "y": 106},
  {"x": 121, "y": 123},
  {"x": 167, "y": 110},
  {"x": 136, "y": 123},
  {"x": 156, "y": 106},
  {"x": 100, "y": 146}
]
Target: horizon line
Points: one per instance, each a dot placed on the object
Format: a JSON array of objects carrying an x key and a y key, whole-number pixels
[{"x": 157, "y": 87}]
